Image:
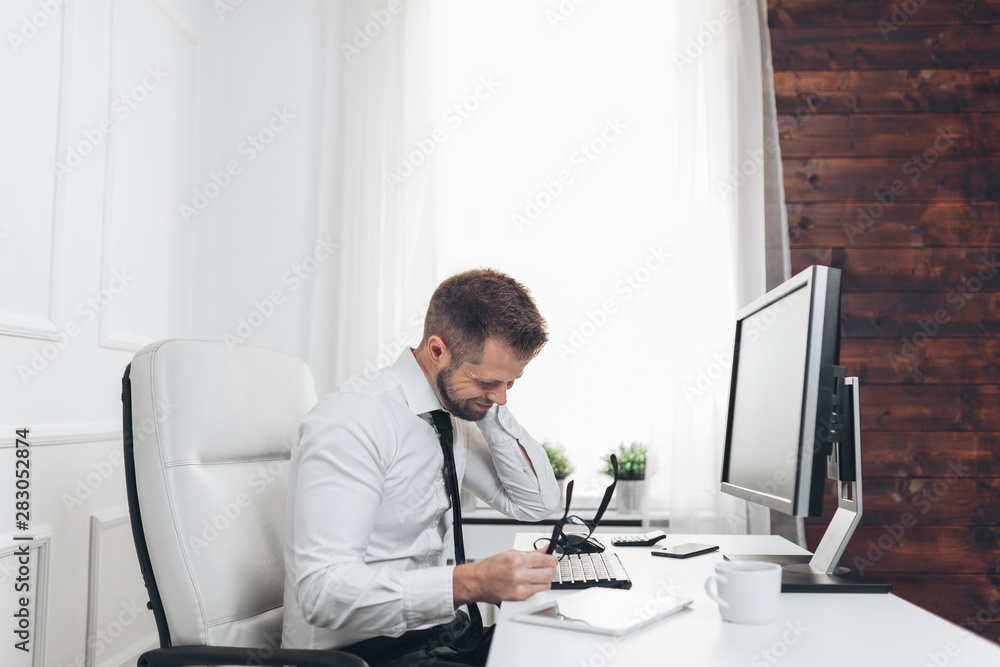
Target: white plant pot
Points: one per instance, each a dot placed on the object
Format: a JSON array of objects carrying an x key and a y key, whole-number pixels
[{"x": 629, "y": 493}]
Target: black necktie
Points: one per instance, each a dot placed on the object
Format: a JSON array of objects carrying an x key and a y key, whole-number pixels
[{"x": 442, "y": 422}]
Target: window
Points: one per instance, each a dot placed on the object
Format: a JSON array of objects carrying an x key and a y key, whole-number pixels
[{"x": 574, "y": 153}]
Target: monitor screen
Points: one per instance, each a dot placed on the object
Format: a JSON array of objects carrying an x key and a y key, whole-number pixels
[
  {"x": 767, "y": 416},
  {"x": 781, "y": 393}
]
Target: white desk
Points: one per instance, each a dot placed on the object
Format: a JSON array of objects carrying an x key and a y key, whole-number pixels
[{"x": 813, "y": 629}]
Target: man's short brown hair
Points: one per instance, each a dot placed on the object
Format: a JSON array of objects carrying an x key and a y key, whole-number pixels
[{"x": 470, "y": 307}]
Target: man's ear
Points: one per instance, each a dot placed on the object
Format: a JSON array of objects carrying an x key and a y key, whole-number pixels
[{"x": 438, "y": 351}]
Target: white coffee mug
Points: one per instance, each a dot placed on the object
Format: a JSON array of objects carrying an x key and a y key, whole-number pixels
[{"x": 747, "y": 591}]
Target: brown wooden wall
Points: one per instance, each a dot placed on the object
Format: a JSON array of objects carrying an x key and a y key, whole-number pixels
[{"x": 911, "y": 104}]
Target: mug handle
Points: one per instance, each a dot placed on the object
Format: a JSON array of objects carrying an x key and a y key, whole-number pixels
[{"x": 715, "y": 578}]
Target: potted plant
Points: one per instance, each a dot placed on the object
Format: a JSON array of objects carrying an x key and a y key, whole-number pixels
[
  {"x": 560, "y": 464},
  {"x": 631, "y": 476}
]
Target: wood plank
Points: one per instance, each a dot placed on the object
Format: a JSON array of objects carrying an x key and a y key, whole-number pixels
[
  {"x": 907, "y": 90},
  {"x": 925, "y": 176},
  {"x": 931, "y": 361},
  {"x": 917, "y": 47},
  {"x": 969, "y": 600},
  {"x": 882, "y": 135},
  {"x": 962, "y": 272},
  {"x": 901, "y": 314},
  {"x": 898, "y": 13},
  {"x": 925, "y": 454},
  {"x": 931, "y": 407},
  {"x": 904, "y": 223},
  {"x": 921, "y": 548},
  {"x": 948, "y": 499}
]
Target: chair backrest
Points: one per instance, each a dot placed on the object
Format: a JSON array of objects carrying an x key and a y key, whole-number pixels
[{"x": 212, "y": 428}]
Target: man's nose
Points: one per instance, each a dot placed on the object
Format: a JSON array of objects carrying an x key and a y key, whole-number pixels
[{"x": 498, "y": 396}]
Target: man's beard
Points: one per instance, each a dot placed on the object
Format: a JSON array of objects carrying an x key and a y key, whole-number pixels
[{"x": 467, "y": 409}]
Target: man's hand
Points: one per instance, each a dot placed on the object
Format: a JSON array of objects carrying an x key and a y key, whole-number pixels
[{"x": 511, "y": 575}]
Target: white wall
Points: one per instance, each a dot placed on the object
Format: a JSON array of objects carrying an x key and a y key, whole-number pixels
[{"x": 97, "y": 259}]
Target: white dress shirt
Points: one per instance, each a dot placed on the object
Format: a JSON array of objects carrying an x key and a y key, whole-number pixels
[{"x": 368, "y": 510}]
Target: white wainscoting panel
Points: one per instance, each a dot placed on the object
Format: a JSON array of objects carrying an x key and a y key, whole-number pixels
[
  {"x": 31, "y": 78},
  {"x": 150, "y": 155},
  {"x": 38, "y": 594},
  {"x": 119, "y": 627}
]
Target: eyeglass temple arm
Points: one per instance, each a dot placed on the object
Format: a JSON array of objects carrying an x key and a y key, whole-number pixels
[
  {"x": 610, "y": 491},
  {"x": 561, "y": 522}
]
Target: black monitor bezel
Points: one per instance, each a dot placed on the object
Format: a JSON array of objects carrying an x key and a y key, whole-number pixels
[{"x": 822, "y": 355}]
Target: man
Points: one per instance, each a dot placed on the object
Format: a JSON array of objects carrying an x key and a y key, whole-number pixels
[{"x": 368, "y": 500}]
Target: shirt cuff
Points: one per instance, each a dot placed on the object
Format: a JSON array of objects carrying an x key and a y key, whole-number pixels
[{"x": 428, "y": 598}]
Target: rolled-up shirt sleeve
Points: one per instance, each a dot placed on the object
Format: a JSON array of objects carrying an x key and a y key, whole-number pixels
[
  {"x": 497, "y": 472},
  {"x": 338, "y": 488}
]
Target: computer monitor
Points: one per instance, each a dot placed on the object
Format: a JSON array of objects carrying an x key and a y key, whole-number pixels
[{"x": 793, "y": 423}]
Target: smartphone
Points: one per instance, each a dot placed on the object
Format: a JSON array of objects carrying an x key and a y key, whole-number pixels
[{"x": 685, "y": 550}]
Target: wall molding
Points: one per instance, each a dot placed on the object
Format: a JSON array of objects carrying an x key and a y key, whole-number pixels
[
  {"x": 39, "y": 549},
  {"x": 45, "y": 328},
  {"x": 108, "y": 336},
  {"x": 63, "y": 434},
  {"x": 100, "y": 524},
  {"x": 25, "y": 326}
]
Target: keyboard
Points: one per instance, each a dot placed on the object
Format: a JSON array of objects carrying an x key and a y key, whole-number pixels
[{"x": 588, "y": 570}]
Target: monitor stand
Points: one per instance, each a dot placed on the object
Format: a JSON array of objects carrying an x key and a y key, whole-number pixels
[{"x": 821, "y": 572}]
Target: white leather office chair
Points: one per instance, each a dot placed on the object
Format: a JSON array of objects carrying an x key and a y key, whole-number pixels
[{"x": 208, "y": 430}]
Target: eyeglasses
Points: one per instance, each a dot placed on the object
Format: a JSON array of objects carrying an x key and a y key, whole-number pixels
[{"x": 571, "y": 531}]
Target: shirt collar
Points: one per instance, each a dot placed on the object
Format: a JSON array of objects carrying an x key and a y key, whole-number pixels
[{"x": 420, "y": 396}]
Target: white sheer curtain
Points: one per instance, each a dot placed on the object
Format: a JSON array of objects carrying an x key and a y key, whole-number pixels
[
  {"x": 735, "y": 117},
  {"x": 603, "y": 156},
  {"x": 376, "y": 108}
]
